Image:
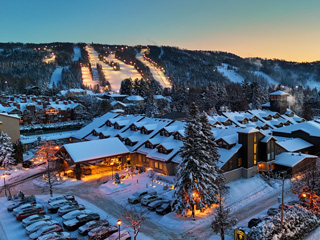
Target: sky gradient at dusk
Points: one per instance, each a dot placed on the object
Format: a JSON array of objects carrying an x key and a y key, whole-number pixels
[{"x": 286, "y": 29}]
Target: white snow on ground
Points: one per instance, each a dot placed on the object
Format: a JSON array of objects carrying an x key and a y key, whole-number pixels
[
  {"x": 230, "y": 74},
  {"x": 77, "y": 54},
  {"x": 47, "y": 136},
  {"x": 270, "y": 80},
  {"x": 156, "y": 72},
  {"x": 76, "y": 91},
  {"x": 13, "y": 229},
  {"x": 315, "y": 235},
  {"x": 114, "y": 77},
  {"x": 56, "y": 76}
]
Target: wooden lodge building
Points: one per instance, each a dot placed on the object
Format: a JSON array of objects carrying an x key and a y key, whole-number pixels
[{"x": 248, "y": 142}]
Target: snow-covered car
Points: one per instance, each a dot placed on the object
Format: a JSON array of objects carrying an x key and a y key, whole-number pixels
[
  {"x": 75, "y": 213},
  {"x": 102, "y": 232},
  {"x": 83, "y": 230},
  {"x": 164, "y": 209},
  {"x": 29, "y": 199},
  {"x": 149, "y": 198},
  {"x": 37, "y": 225},
  {"x": 34, "y": 218},
  {"x": 29, "y": 212},
  {"x": 153, "y": 205},
  {"x": 273, "y": 211},
  {"x": 55, "y": 236},
  {"x": 54, "y": 206},
  {"x": 136, "y": 197},
  {"x": 61, "y": 197},
  {"x": 45, "y": 230},
  {"x": 23, "y": 207},
  {"x": 124, "y": 235},
  {"x": 69, "y": 208},
  {"x": 80, "y": 220},
  {"x": 254, "y": 222}
]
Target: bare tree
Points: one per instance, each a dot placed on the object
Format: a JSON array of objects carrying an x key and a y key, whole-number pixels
[
  {"x": 45, "y": 154},
  {"x": 222, "y": 219},
  {"x": 136, "y": 216}
]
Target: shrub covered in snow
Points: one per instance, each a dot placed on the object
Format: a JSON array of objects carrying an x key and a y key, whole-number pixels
[{"x": 297, "y": 222}]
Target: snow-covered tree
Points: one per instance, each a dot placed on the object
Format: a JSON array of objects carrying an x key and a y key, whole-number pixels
[
  {"x": 198, "y": 177},
  {"x": 151, "y": 107},
  {"x": 6, "y": 150},
  {"x": 222, "y": 220}
]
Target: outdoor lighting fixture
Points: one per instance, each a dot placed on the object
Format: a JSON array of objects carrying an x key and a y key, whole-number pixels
[
  {"x": 303, "y": 195},
  {"x": 4, "y": 184},
  {"x": 119, "y": 223},
  {"x": 112, "y": 163}
]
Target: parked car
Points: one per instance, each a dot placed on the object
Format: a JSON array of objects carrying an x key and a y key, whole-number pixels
[
  {"x": 124, "y": 235},
  {"x": 34, "y": 218},
  {"x": 136, "y": 197},
  {"x": 153, "y": 205},
  {"x": 69, "y": 208},
  {"x": 74, "y": 214},
  {"x": 45, "y": 230},
  {"x": 29, "y": 212},
  {"x": 273, "y": 211},
  {"x": 80, "y": 220},
  {"x": 102, "y": 232},
  {"x": 29, "y": 199},
  {"x": 55, "y": 236},
  {"x": 61, "y": 197},
  {"x": 164, "y": 209},
  {"x": 254, "y": 222},
  {"x": 149, "y": 198},
  {"x": 83, "y": 230},
  {"x": 24, "y": 207},
  {"x": 37, "y": 225},
  {"x": 54, "y": 206}
]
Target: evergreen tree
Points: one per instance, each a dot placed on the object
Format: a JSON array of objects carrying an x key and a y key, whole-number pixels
[
  {"x": 197, "y": 178},
  {"x": 6, "y": 150},
  {"x": 126, "y": 87},
  {"x": 18, "y": 151},
  {"x": 151, "y": 107}
]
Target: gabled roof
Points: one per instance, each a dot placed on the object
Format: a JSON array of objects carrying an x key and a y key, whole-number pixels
[
  {"x": 311, "y": 127},
  {"x": 96, "y": 149},
  {"x": 267, "y": 139},
  {"x": 291, "y": 159},
  {"x": 294, "y": 144},
  {"x": 226, "y": 154}
]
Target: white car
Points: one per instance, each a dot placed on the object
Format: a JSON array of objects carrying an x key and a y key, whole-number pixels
[
  {"x": 37, "y": 225},
  {"x": 136, "y": 197},
  {"x": 60, "y": 197},
  {"x": 69, "y": 208},
  {"x": 149, "y": 198},
  {"x": 25, "y": 207},
  {"x": 34, "y": 218},
  {"x": 55, "y": 235},
  {"x": 124, "y": 235},
  {"x": 74, "y": 214},
  {"x": 54, "y": 206}
]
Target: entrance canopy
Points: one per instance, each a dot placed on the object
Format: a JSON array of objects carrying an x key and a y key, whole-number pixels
[{"x": 94, "y": 150}]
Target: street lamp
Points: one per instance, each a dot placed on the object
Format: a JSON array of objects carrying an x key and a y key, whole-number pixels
[
  {"x": 4, "y": 184},
  {"x": 112, "y": 163},
  {"x": 119, "y": 223}
]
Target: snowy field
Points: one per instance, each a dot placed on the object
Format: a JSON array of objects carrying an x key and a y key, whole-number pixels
[
  {"x": 47, "y": 136},
  {"x": 76, "y": 54},
  {"x": 56, "y": 76},
  {"x": 230, "y": 74},
  {"x": 157, "y": 73}
]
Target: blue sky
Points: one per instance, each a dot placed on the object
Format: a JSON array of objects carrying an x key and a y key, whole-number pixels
[{"x": 273, "y": 29}]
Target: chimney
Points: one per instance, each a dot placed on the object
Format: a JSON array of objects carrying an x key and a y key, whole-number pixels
[
  {"x": 65, "y": 102},
  {"x": 34, "y": 99},
  {"x": 69, "y": 101},
  {"x": 18, "y": 106},
  {"x": 54, "y": 98},
  {"x": 299, "y": 153},
  {"x": 39, "y": 103},
  {"x": 57, "y": 102}
]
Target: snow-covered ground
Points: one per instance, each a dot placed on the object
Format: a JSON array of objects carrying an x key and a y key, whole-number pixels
[
  {"x": 230, "y": 74},
  {"x": 77, "y": 54},
  {"x": 270, "y": 80},
  {"x": 156, "y": 72},
  {"x": 114, "y": 77}
]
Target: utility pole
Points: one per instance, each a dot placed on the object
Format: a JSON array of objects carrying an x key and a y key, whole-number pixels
[{"x": 284, "y": 173}]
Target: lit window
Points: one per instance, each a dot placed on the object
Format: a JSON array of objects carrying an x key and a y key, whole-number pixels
[
  {"x": 156, "y": 164},
  {"x": 239, "y": 162},
  {"x": 255, "y": 137},
  {"x": 160, "y": 166},
  {"x": 255, "y": 148},
  {"x": 254, "y": 159}
]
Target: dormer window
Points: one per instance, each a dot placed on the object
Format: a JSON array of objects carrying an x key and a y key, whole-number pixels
[
  {"x": 94, "y": 133},
  {"x": 290, "y": 114},
  {"x": 227, "y": 123},
  {"x": 223, "y": 144},
  {"x": 287, "y": 123},
  {"x": 129, "y": 143},
  {"x": 162, "y": 150},
  {"x": 244, "y": 121},
  {"x": 268, "y": 118},
  {"x": 134, "y": 128},
  {"x": 178, "y": 137},
  {"x": 117, "y": 126},
  {"x": 164, "y": 133},
  {"x": 109, "y": 124},
  {"x": 149, "y": 145},
  {"x": 254, "y": 119}
]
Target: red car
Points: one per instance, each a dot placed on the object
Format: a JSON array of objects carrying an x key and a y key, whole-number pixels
[{"x": 28, "y": 212}]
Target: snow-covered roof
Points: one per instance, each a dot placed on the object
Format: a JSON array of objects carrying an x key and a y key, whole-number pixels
[
  {"x": 96, "y": 149},
  {"x": 10, "y": 115},
  {"x": 135, "y": 98},
  {"x": 266, "y": 104},
  {"x": 294, "y": 144},
  {"x": 267, "y": 139},
  {"x": 83, "y": 132},
  {"x": 291, "y": 159},
  {"x": 311, "y": 127},
  {"x": 226, "y": 154},
  {"x": 248, "y": 130},
  {"x": 278, "y": 93}
]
